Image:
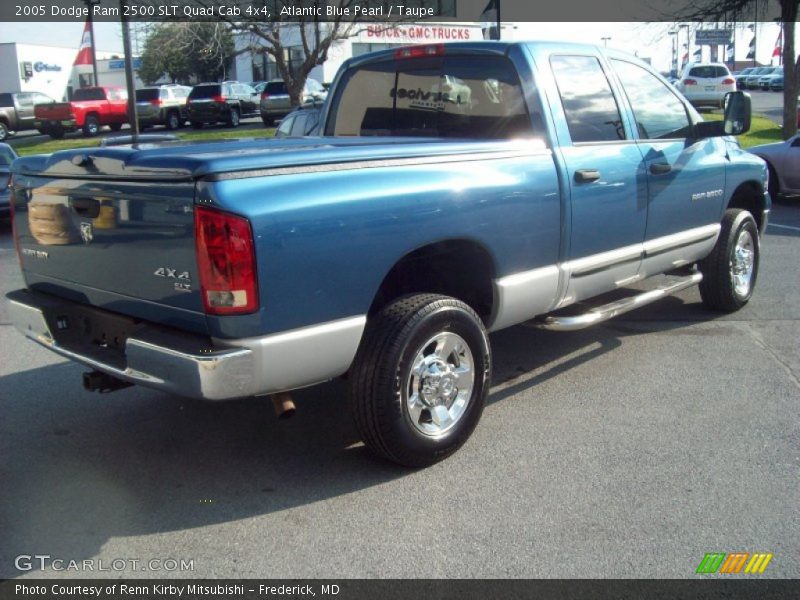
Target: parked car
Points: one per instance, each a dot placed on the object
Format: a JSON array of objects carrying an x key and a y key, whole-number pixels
[
  {"x": 162, "y": 105},
  {"x": 257, "y": 85},
  {"x": 302, "y": 121},
  {"x": 16, "y": 111},
  {"x": 389, "y": 248},
  {"x": 765, "y": 79},
  {"x": 276, "y": 103},
  {"x": 783, "y": 160},
  {"x": 706, "y": 84},
  {"x": 89, "y": 110},
  {"x": 740, "y": 77},
  {"x": 221, "y": 103},
  {"x": 7, "y": 156},
  {"x": 751, "y": 81},
  {"x": 776, "y": 85}
]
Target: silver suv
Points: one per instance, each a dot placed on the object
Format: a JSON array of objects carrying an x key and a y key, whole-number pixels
[
  {"x": 275, "y": 101},
  {"x": 162, "y": 105}
]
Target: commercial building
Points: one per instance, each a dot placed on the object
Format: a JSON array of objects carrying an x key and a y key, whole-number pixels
[{"x": 50, "y": 70}]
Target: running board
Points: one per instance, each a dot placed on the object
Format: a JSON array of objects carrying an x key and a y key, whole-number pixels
[{"x": 616, "y": 308}]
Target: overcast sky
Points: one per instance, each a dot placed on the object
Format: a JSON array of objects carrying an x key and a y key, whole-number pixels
[{"x": 647, "y": 40}]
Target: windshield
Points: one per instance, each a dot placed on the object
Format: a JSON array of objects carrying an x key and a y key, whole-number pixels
[{"x": 456, "y": 97}]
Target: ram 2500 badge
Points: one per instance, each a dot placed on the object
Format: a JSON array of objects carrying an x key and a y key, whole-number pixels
[{"x": 427, "y": 215}]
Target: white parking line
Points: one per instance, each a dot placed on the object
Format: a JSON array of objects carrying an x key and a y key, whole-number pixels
[{"x": 783, "y": 226}]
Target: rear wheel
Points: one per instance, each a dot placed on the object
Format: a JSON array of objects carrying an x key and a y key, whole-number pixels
[
  {"x": 268, "y": 121},
  {"x": 115, "y": 126},
  {"x": 730, "y": 271},
  {"x": 91, "y": 126},
  {"x": 197, "y": 125},
  {"x": 56, "y": 132},
  {"x": 3, "y": 131},
  {"x": 233, "y": 118},
  {"x": 173, "y": 120},
  {"x": 420, "y": 379}
]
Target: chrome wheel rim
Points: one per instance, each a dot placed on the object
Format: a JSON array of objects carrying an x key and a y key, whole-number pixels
[
  {"x": 439, "y": 385},
  {"x": 742, "y": 263}
]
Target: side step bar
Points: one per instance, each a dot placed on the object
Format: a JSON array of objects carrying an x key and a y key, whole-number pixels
[{"x": 616, "y": 308}]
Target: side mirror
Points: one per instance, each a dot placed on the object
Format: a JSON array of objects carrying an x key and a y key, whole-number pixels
[{"x": 738, "y": 111}]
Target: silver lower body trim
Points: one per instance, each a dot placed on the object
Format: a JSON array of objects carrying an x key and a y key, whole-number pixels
[
  {"x": 528, "y": 294},
  {"x": 187, "y": 365}
]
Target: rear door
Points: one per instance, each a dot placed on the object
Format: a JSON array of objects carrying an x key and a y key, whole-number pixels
[
  {"x": 685, "y": 176},
  {"x": 606, "y": 179}
]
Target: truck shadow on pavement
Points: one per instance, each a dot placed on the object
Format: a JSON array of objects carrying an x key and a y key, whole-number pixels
[{"x": 78, "y": 469}]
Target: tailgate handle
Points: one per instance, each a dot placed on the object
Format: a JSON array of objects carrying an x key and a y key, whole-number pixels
[{"x": 85, "y": 207}]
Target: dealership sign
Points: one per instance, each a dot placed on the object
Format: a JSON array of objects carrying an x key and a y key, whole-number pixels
[
  {"x": 713, "y": 37},
  {"x": 40, "y": 66},
  {"x": 416, "y": 34}
]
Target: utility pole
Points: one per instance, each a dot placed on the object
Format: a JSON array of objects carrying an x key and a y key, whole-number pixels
[
  {"x": 129, "y": 80},
  {"x": 90, "y": 4}
]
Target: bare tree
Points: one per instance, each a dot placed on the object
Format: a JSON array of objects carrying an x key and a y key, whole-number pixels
[
  {"x": 719, "y": 10},
  {"x": 271, "y": 32}
]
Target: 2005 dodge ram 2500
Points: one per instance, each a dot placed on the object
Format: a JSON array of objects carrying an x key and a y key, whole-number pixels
[{"x": 427, "y": 214}]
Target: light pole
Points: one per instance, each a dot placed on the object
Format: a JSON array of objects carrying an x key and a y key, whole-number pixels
[
  {"x": 688, "y": 43},
  {"x": 605, "y": 40}
]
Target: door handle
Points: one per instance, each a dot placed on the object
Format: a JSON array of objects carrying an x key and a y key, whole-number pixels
[
  {"x": 660, "y": 168},
  {"x": 587, "y": 175}
]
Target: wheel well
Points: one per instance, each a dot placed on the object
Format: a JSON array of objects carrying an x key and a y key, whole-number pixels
[
  {"x": 4, "y": 121},
  {"x": 92, "y": 114},
  {"x": 749, "y": 196},
  {"x": 462, "y": 269}
]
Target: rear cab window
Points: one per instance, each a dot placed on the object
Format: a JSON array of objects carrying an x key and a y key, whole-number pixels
[
  {"x": 84, "y": 94},
  {"x": 440, "y": 96}
]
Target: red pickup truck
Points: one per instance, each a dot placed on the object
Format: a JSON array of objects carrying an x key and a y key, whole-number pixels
[{"x": 89, "y": 110}]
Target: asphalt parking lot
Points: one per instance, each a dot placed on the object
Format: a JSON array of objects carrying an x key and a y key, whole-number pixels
[{"x": 626, "y": 450}]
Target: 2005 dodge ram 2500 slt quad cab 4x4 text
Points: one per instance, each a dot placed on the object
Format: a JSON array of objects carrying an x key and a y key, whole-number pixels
[{"x": 425, "y": 216}]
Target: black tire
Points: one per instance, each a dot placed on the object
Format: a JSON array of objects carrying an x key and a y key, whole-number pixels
[
  {"x": 91, "y": 127},
  {"x": 173, "y": 120},
  {"x": 197, "y": 125},
  {"x": 56, "y": 132},
  {"x": 717, "y": 288},
  {"x": 268, "y": 121},
  {"x": 233, "y": 118},
  {"x": 3, "y": 132},
  {"x": 381, "y": 378},
  {"x": 115, "y": 126}
]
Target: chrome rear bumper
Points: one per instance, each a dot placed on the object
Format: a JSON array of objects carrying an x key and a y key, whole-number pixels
[{"x": 193, "y": 365}]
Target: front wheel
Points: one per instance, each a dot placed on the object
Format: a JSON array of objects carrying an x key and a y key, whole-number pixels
[
  {"x": 3, "y": 131},
  {"x": 420, "y": 379},
  {"x": 730, "y": 271}
]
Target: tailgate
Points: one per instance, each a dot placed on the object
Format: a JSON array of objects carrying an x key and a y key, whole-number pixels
[
  {"x": 125, "y": 246},
  {"x": 54, "y": 111}
]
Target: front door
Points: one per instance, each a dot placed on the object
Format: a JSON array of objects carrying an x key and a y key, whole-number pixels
[{"x": 685, "y": 176}]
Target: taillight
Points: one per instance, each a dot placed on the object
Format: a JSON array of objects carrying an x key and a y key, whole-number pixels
[
  {"x": 728, "y": 81},
  {"x": 689, "y": 82},
  {"x": 226, "y": 261},
  {"x": 220, "y": 99},
  {"x": 156, "y": 102},
  {"x": 419, "y": 51},
  {"x": 264, "y": 95}
]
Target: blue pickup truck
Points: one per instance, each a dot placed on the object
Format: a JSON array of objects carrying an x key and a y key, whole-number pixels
[{"x": 455, "y": 190}]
